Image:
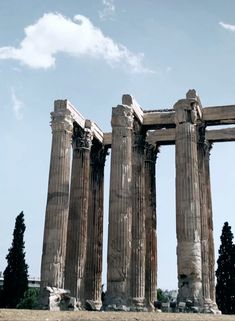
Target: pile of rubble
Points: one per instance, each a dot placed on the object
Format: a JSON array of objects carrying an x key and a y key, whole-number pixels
[
  {"x": 182, "y": 307},
  {"x": 55, "y": 299}
]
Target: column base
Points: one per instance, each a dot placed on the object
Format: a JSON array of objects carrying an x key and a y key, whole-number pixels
[
  {"x": 133, "y": 305},
  {"x": 210, "y": 307},
  {"x": 91, "y": 305},
  {"x": 116, "y": 307},
  {"x": 115, "y": 302},
  {"x": 150, "y": 307},
  {"x": 138, "y": 305}
]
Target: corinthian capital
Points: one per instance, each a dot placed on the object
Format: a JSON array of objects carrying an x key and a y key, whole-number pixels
[
  {"x": 82, "y": 138},
  {"x": 151, "y": 152},
  {"x": 61, "y": 120},
  {"x": 98, "y": 154},
  {"x": 188, "y": 110},
  {"x": 122, "y": 116}
]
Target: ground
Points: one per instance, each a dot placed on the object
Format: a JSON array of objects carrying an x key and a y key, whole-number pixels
[{"x": 28, "y": 315}]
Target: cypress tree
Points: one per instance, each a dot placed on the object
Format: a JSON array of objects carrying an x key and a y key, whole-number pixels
[
  {"x": 225, "y": 287},
  {"x": 16, "y": 273}
]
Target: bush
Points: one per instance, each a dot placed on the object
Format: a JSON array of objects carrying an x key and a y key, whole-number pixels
[
  {"x": 161, "y": 296},
  {"x": 30, "y": 300}
]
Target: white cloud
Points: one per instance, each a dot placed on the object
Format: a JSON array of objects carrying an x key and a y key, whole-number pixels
[
  {"x": 17, "y": 105},
  {"x": 108, "y": 10},
  {"x": 227, "y": 26},
  {"x": 53, "y": 33}
]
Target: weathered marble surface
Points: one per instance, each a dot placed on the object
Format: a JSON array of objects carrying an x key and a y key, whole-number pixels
[{"x": 74, "y": 212}]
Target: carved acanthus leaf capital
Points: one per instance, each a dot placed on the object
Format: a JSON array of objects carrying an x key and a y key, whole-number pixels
[
  {"x": 82, "y": 138},
  {"x": 201, "y": 134},
  {"x": 61, "y": 121},
  {"x": 139, "y": 135},
  {"x": 122, "y": 116},
  {"x": 98, "y": 155},
  {"x": 208, "y": 148},
  {"x": 151, "y": 152},
  {"x": 203, "y": 143},
  {"x": 188, "y": 110}
]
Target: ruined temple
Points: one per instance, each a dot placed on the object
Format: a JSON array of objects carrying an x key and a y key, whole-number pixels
[{"x": 73, "y": 234}]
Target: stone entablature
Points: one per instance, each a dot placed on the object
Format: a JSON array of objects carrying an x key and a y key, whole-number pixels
[{"x": 73, "y": 234}]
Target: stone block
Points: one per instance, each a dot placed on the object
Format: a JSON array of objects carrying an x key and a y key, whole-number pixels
[{"x": 165, "y": 307}]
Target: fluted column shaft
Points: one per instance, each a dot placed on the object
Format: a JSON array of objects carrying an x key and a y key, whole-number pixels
[
  {"x": 202, "y": 154},
  {"x": 208, "y": 272},
  {"x": 188, "y": 221},
  {"x": 210, "y": 225},
  {"x": 138, "y": 218},
  {"x": 150, "y": 226},
  {"x": 55, "y": 230},
  {"x": 93, "y": 273},
  {"x": 120, "y": 208},
  {"x": 78, "y": 213}
]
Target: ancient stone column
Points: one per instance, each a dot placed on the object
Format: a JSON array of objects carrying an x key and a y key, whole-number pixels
[
  {"x": 150, "y": 226},
  {"x": 55, "y": 230},
  {"x": 138, "y": 219},
  {"x": 93, "y": 272},
  {"x": 207, "y": 243},
  {"x": 210, "y": 227},
  {"x": 188, "y": 220},
  {"x": 78, "y": 212},
  {"x": 120, "y": 209},
  {"x": 202, "y": 154}
]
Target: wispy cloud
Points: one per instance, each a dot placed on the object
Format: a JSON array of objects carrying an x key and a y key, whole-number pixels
[
  {"x": 108, "y": 10},
  {"x": 54, "y": 33},
  {"x": 17, "y": 105},
  {"x": 168, "y": 69},
  {"x": 227, "y": 26},
  {"x": 16, "y": 69}
]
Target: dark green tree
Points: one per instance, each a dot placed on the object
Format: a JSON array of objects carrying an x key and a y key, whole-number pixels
[
  {"x": 225, "y": 273},
  {"x": 162, "y": 296},
  {"x": 16, "y": 273}
]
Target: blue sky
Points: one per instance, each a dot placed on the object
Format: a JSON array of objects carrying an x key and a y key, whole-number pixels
[{"x": 92, "y": 52}]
